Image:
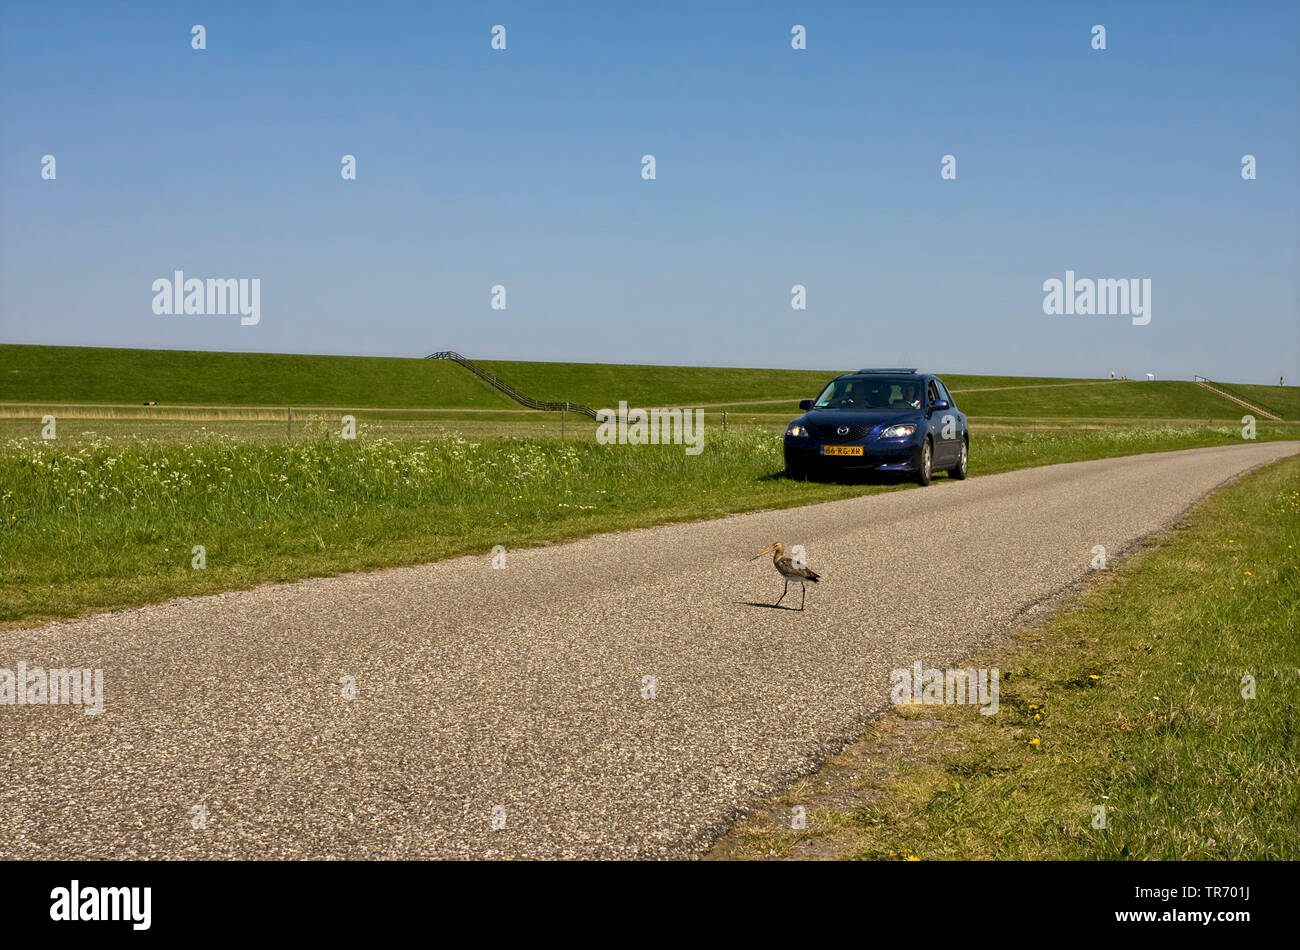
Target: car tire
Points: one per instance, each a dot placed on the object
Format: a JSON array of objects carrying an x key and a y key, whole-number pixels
[
  {"x": 959, "y": 470},
  {"x": 796, "y": 472},
  {"x": 925, "y": 464}
]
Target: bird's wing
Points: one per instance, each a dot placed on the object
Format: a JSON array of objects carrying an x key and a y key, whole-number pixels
[{"x": 787, "y": 567}]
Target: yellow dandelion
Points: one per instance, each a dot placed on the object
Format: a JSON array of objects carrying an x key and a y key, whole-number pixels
[
  {"x": 1093, "y": 676},
  {"x": 1035, "y": 741}
]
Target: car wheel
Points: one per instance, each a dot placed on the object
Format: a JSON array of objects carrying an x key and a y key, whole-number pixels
[
  {"x": 927, "y": 461},
  {"x": 797, "y": 472},
  {"x": 963, "y": 463}
]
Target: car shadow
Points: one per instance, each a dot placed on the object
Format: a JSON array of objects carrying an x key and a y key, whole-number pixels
[{"x": 846, "y": 478}]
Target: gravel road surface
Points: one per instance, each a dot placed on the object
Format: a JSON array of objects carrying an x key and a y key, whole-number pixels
[{"x": 524, "y": 687}]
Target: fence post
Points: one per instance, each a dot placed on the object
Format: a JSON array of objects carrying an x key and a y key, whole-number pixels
[
  {"x": 563, "y": 413},
  {"x": 288, "y": 422}
]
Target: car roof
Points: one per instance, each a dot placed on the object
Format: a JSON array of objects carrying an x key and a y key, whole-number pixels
[{"x": 884, "y": 372}]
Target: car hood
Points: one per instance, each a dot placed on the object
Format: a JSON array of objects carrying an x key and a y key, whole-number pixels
[{"x": 868, "y": 418}]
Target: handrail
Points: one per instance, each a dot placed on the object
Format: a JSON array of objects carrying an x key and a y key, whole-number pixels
[
  {"x": 504, "y": 387},
  {"x": 1205, "y": 384}
]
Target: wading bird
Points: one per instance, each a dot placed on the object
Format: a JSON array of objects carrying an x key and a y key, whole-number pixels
[{"x": 790, "y": 571}]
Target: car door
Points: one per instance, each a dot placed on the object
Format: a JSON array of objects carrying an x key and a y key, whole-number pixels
[
  {"x": 959, "y": 422},
  {"x": 943, "y": 448}
]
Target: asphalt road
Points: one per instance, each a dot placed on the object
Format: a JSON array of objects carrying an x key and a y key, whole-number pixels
[{"x": 523, "y": 687}]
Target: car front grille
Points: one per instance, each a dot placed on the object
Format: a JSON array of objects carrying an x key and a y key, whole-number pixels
[{"x": 830, "y": 433}]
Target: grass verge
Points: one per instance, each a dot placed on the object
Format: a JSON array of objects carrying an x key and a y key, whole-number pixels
[
  {"x": 101, "y": 525},
  {"x": 1134, "y": 700}
]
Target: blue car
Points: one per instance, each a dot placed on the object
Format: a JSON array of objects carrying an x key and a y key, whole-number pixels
[{"x": 879, "y": 420}]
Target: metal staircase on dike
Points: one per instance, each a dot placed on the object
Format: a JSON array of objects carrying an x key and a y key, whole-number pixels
[
  {"x": 1206, "y": 384},
  {"x": 502, "y": 386}
]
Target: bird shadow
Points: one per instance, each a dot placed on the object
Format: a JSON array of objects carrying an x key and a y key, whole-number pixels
[{"x": 750, "y": 603}]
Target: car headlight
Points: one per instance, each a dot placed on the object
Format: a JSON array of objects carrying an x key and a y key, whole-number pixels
[
  {"x": 897, "y": 432},
  {"x": 797, "y": 431}
]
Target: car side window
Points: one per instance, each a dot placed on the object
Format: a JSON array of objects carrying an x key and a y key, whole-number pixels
[
  {"x": 932, "y": 392},
  {"x": 943, "y": 392}
]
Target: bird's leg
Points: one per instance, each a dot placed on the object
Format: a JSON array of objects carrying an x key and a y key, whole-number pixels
[
  {"x": 783, "y": 593},
  {"x": 804, "y": 588}
]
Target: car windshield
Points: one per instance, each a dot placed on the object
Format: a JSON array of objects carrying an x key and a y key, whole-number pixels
[{"x": 872, "y": 392}]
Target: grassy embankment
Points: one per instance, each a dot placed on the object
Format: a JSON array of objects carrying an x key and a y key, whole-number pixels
[
  {"x": 96, "y": 392},
  {"x": 36, "y": 375}
]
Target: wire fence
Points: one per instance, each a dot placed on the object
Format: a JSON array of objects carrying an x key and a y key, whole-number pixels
[{"x": 87, "y": 423}]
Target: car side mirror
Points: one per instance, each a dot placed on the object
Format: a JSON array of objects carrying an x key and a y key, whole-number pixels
[
  {"x": 805, "y": 404},
  {"x": 940, "y": 405}
]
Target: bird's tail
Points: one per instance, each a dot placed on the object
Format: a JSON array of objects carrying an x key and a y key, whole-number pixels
[{"x": 814, "y": 576}]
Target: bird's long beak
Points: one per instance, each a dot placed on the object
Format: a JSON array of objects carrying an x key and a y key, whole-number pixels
[{"x": 761, "y": 553}]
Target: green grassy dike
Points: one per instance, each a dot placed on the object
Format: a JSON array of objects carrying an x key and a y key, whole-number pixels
[
  {"x": 1131, "y": 700},
  {"x": 105, "y": 525}
]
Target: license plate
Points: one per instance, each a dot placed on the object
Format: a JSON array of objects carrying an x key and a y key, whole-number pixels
[{"x": 841, "y": 450}]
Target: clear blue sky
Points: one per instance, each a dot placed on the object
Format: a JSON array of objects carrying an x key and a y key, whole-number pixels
[{"x": 775, "y": 167}]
